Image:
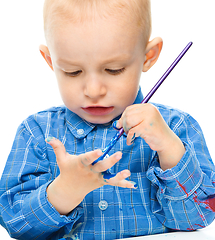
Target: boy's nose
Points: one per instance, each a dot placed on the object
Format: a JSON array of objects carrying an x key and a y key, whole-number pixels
[{"x": 94, "y": 88}]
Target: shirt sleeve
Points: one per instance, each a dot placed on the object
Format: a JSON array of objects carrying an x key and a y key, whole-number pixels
[
  {"x": 24, "y": 208},
  {"x": 183, "y": 198}
]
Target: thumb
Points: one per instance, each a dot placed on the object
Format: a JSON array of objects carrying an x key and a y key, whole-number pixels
[{"x": 58, "y": 148}]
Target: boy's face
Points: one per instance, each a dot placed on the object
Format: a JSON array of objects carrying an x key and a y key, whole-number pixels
[{"x": 98, "y": 66}]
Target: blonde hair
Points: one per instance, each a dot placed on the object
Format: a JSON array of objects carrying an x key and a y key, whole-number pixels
[{"x": 137, "y": 11}]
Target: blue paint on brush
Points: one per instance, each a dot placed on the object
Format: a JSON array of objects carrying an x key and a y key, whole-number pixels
[{"x": 110, "y": 145}]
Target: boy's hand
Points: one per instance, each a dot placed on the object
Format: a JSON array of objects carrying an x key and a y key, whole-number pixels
[
  {"x": 145, "y": 121},
  {"x": 78, "y": 177}
]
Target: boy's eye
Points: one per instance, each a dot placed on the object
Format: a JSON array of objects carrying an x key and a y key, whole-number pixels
[
  {"x": 115, "y": 71},
  {"x": 73, "y": 74},
  {"x": 110, "y": 71}
]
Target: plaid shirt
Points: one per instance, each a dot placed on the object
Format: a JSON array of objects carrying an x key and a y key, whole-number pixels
[{"x": 180, "y": 198}]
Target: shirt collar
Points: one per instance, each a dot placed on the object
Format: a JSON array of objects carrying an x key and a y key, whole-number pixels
[
  {"x": 78, "y": 126},
  {"x": 81, "y": 128},
  {"x": 139, "y": 97}
]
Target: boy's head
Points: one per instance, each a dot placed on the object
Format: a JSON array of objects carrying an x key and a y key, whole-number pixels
[
  {"x": 134, "y": 12},
  {"x": 98, "y": 49}
]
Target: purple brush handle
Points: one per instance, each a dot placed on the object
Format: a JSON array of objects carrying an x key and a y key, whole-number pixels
[
  {"x": 107, "y": 174},
  {"x": 169, "y": 70}
]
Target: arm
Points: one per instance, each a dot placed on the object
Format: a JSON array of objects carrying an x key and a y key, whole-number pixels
[
  {"x": 182, "y": 173},
  {"x": 25, "y": 209},
  {"x": 34, "y": 204},
  {"x": 185, "y": 194}
]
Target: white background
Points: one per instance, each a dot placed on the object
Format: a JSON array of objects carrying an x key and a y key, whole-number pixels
[{"x": 27, "y": 85}]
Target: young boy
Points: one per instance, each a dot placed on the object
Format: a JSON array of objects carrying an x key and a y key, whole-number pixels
[{"x": 164, "y": 174}]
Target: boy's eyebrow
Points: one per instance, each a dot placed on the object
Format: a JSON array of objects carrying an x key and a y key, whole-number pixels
[{"x": 119, "y": 58}]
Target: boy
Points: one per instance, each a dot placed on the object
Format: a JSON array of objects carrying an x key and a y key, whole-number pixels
[{"x": 54, "y": 192}]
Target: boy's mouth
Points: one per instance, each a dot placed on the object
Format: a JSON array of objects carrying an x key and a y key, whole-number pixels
[{"x": 98, "y": 110}]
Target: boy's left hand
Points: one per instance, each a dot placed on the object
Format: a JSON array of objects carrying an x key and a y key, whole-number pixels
[{"x": 145, "y": 121}]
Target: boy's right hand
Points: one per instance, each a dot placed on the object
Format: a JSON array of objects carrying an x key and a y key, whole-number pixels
[{"x": 78, "y": 177}]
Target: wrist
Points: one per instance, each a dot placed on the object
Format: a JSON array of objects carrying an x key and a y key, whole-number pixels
[
  {"x": 64, "y": 199},
  {"x": 171, "y": 153}
]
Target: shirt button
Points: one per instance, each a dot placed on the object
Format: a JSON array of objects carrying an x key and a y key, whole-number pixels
[
  {"x": 103, "y": 205},
  {"x": 80, "y": 131}
]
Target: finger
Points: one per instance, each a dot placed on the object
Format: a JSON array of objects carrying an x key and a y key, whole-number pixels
[
  {"x": 88, "y": 158},
  {"x": 127, "y": 184},
  {"x": 122, "y": 175},
  {"x": 124, "y": 122},
  {"x": 120, "y": 180},
  {"x": 133, "y": 116},
  {"x": 118, "y": 124},
  {"x": 118, "y": 177},
  {"x": 115, "y": 125},
  {"x": 131, "y": 137},
  {"x": 58, "y": 148},
  {"x": 107, "y": 163},
  {"x": 134, "y": 133}
]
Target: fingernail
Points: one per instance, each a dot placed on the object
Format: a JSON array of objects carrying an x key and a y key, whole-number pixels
[
  {"x": 49, "y": 139},
  {"x": 135, "y": 186},
  {"x": 134, "y": 136},
  {"x": 118, "y": 155},
  {"x": 99, "y": 152},
  {"x": 115, "y": 125}
]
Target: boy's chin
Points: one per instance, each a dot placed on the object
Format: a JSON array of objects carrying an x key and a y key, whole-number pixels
[{"x": 99, "y": 119}]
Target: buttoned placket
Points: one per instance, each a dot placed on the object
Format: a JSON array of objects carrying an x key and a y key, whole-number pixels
[{"x": 104, "y": 210}]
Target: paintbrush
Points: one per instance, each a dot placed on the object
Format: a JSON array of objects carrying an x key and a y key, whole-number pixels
[{"x": 107, "y": 174}]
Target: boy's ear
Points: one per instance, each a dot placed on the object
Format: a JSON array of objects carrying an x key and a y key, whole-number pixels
[
  {"x": 46, "y": 55},
  {"x": 152, "y": 53}
]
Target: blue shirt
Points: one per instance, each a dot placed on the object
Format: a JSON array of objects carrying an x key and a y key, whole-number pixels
[{"x": 181, "y": 198}]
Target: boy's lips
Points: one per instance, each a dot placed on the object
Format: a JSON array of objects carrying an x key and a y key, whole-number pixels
[{"x": 98, "y": 110}]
